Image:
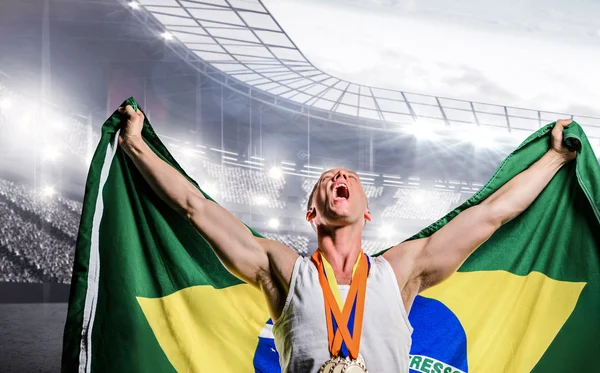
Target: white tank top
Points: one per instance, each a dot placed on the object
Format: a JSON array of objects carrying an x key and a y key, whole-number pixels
[{"x": 301, "y": 332}]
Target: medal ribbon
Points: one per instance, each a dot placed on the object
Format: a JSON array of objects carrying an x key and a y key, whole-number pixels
[{"x": 344, "y": 327}]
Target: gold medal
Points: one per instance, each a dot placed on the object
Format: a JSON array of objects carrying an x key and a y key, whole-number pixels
[
  {"x": 355, "y": 366},
  {"x": 330, "y": 364},
  {"x": 344, "y": 365},
  {"x": 340, "y": 366}
]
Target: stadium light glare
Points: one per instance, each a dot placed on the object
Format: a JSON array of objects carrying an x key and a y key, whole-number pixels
[
  {"x": 423, "y": 129},
  {"x": 260, "y": 200},
  {"x": 134, "y": 5},
  {"x": 274, "y": 223},
  {"x": 519, "y": 136},
  {"x": 210, "y": 189},
  {"x": 5, "y": 103},
  {"x": 418, "y": 197},
  {"x": 189, "y": 152},
  {"x": 481, "y": 137},
  {"x": 50, "y": 154},
  {"x": 167, "y": 35},
  {"x": 275, "y": 173},
  {"x": 385, "y": 231},
  {"x": 48, "y": 191},
  {"x": 56, "y": 124},
  {"x": 25, "y": 119}
]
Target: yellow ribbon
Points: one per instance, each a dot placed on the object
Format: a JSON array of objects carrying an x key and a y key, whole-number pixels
[{"x": 333, "y": 285}]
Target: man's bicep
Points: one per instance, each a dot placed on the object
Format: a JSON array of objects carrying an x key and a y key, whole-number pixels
[
  {"x": 448, "y": 248},
  {"x": 235, "y": 245}
]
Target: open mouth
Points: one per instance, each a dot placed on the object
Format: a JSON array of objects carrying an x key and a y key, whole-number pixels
[{"x": 341, "y": 191}]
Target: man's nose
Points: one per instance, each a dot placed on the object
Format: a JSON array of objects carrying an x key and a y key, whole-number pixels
[{"x": 339, "y": 174}]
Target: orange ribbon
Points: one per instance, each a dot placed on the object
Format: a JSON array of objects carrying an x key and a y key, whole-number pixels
[{"x": 358, "y": 288}]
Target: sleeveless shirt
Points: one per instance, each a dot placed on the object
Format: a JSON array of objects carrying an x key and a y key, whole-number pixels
[{"x": 300, "y": 333}]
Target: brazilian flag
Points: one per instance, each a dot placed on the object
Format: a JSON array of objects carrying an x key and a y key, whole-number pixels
[{"x": 149, "y": 295}]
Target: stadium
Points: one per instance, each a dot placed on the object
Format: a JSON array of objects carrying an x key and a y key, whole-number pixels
[{"x": 245, "y": 113}]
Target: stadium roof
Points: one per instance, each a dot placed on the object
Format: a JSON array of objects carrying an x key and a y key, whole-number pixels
[{"x": 243, "y": 40}]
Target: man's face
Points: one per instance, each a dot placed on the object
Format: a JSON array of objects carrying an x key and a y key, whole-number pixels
[{"x": 339, "y": 199}]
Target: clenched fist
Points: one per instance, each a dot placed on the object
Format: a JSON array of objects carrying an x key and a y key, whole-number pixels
[
  {"x": 558, "y": 144},
  {"x": 133, "y": 128}
]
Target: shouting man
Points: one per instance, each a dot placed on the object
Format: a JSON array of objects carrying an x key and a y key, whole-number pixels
[{"x": 341, "y": 310}]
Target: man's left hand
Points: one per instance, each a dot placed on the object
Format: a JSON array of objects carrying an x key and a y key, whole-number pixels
[{"x": 558, "y": 144}]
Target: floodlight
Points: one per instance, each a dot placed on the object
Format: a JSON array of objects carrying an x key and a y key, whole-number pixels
[
  {"x": 134, "y": 5},
  {"x": 481, "y": 137},
  {"x": 24, "y": 119},
  {"x": 50, "y": 154},
  {"x": 48, "y": 191},
  {"x": 5, "y": 103},
  {"x": 210, "y": 189},
  {"x": 385, "y": 231},
  {"x": 275, "y": 173},
  {"x": 418, "y": 197},
  {"x": 189, "y": 152},
  {"x": 56, "y": 123},
  {"x": 423, "y": 129},
  {"x": 261, "y": 200},
  {"x": 167, "y": 35},
  {"x": 274, "y": 223}
]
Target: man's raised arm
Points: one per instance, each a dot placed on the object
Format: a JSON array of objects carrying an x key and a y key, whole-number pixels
[
  {"x": 425, "y": 262},
  {"x": 244, "y": 255}
]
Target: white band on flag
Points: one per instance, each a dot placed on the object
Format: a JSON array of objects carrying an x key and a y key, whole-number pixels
[{"x": 91, "y": 297}]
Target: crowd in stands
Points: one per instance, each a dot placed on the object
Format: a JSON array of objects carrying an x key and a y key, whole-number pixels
[
  {"x": 295, "y": 242},
  {"x": 372, "y": 247},
  {"x": 421, "y": 204},
  {"x": 16, "y": 272},
  {"x": 73, "y": 206},
  {"x": 245, "y": 186},
  {"x": 44, "y": 254},
  {"x": 46, "y": 207}
]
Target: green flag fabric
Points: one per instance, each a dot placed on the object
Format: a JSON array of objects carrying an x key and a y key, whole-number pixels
[{"x": 149, "y": 295}]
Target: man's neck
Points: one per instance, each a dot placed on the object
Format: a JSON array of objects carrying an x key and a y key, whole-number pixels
[{"x": 341, "y": 247}]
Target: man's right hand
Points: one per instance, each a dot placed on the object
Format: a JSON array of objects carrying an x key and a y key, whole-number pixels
[{"x": 133, "y": 128}]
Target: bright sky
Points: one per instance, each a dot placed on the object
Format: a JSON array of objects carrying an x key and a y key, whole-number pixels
[{"x": 538, "y": 54}]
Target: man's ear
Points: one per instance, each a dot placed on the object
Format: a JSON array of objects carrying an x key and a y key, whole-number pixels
[
  {"x": 367, "y": 215},
  {"x": 311, "y": 214}
]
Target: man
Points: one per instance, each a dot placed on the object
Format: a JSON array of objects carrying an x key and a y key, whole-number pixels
[{"x": 340, "y": 310}]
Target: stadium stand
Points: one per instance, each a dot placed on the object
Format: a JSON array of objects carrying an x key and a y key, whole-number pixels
[
  {"x": 372, "y": 247},
  {"x": 421, "y": 204},
  {"x": 37, "y": 250},
  {"x": 73, "y": 206},
  {"x": 297, "y": 243},
  {"x": 245, "y": 186},
  {"x": 46, "y": 208},
  {"x": 15, "y": 272}
]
